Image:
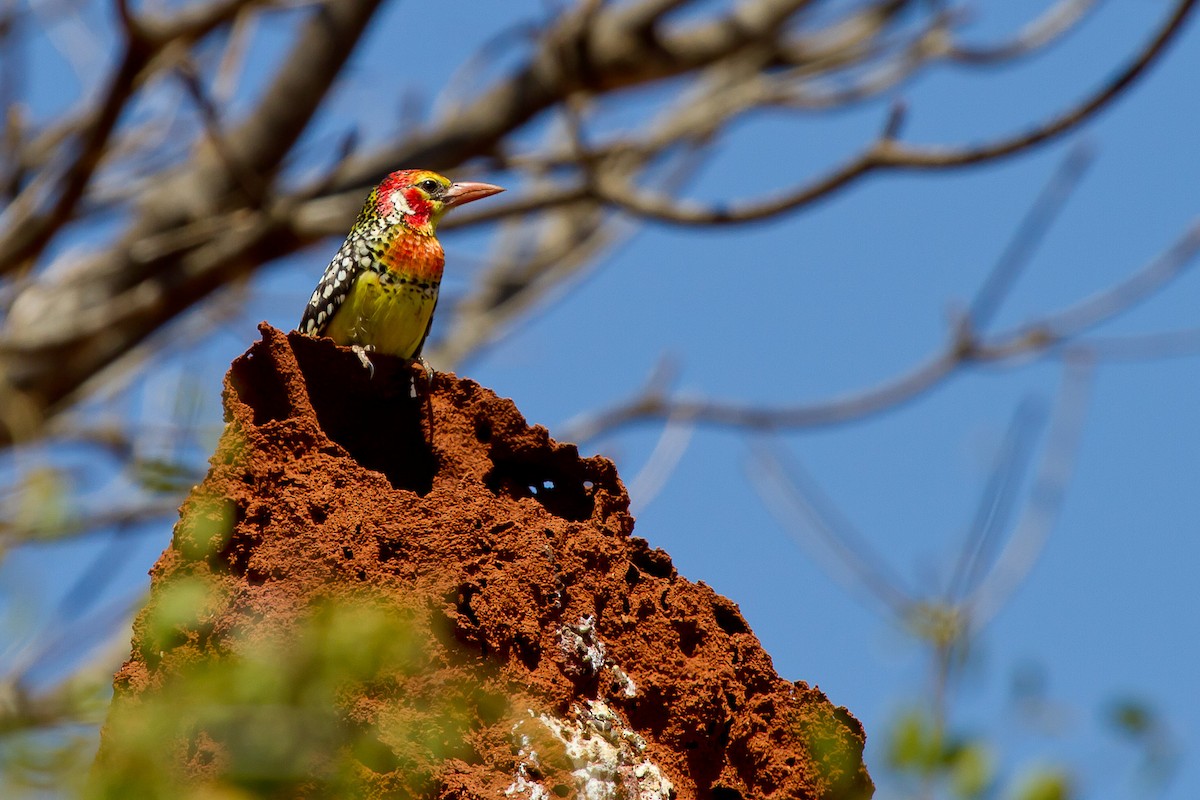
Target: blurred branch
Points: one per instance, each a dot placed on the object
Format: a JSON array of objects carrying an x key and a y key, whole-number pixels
[
  {"x": 123, "y": 518},
  {"x": 52, "y": 342},
  {"x": 660, "y": 464},
  {"x": 1053, "y": 333},
  {"x": 979, "y": 583},
  {"x": 995, "y": 503},
  {"x": 247, "y": 181},
  {"x": 1029, "y": 235},
  {"x": 1024, "y": 545},
  {"x": 76, "y": 700},
  {"x": 31, "y": 226},
  {"x": 886, "y": 153},
  {"x": 1057, "y": 21},
  {"x": 810, "y": 517},
  {"x": 213, "y": 212},
  {"x": 1140, "y": 347}
]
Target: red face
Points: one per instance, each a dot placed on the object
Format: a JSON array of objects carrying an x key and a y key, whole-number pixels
[
  {"x": 408, "y": 195},
  {"x": 419, "y": 197}
]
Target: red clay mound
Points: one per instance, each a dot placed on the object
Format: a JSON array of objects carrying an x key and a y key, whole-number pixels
[{"x": 507, "y": 636}]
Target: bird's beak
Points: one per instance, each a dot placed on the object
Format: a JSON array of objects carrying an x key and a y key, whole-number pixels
[{"x": 466, "y": 192}]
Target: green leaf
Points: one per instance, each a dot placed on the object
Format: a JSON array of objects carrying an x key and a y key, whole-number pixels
[
  {"x": 1132, "y": 717},
  {"x": 1047, "y": 783},
  {"x": 972, "y": 770},
  {"x": 913, "y": 744}
]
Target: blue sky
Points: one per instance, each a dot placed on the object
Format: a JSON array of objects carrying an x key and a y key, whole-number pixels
[{"x": 839, "y": 297}]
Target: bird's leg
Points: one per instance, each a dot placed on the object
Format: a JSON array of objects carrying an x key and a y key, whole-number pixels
[
  {"x": 429, "y": 410},
  {"x": 421, "y": 364},
  {"x": 361, "y": 351},
  {"x": 420, "y": 369}
]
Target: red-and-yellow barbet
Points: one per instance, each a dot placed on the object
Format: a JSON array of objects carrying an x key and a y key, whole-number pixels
[{"x": 379, "y": 292}]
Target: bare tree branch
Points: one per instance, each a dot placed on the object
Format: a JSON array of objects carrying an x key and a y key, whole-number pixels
[
  {"x": 978, "y": 584},
  {"x": 1057, "y": 21},
  {"x": 806, "y": 513},
  {"x": 1044, "y": 336},
  {"x": 1032, "y": 230},
  {"x": 46, "y": 361},
  {"x": 996, "y": 503},
  {"x": 192, "y": 228},
  {"x": 1024, "y": 546},
  {"x": 886, "y": 153},
  {"x": 31, "y": 229}
]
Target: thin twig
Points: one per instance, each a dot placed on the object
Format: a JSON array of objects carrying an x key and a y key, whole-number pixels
[
  {"x": 809, "y": 516},
  {"x": 995, "y": 503},
  {"x": 1057, "y": 21},
  {"x": 888, "y": 154},
  {"x": 1025, "y": 545},
  {"x": 1049, "y": 335},
  {"x": 1029, "y": 234}
]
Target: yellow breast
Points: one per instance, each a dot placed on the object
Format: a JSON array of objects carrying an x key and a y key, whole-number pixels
[{"x": 391, "y": 318}]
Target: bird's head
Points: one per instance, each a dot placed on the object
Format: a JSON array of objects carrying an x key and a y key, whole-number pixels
[{"x": 417, "y": 199}]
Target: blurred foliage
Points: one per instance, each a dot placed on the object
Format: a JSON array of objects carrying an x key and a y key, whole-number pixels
[
  {"x": 935, "y": 764},
  {"x": 280, "y": 713},
  {"x": 205, "y": 525},
  {"x": 1137, "y": 722},
  {"x": 1046, "y": 783},
  {"x": 920, "y": 753},
  {"x": 48, "y": 740},
  {"x": 41, "y": 503},
  {"x": 831, "y": 753},
  {"x": 928, "y": 759}
]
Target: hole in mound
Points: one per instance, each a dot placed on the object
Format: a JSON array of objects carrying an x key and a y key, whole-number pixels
[
  {"x": 725, "y": 793},
  {"x": 559, "y": 492},
  {"x": 690, "y": 635},
  {"x": 466, "y": 593},
  {"x": 654, "y": 562},
  {"x": 529, "y": 650},
  {"x": 728, "y": 617},
  {"x": 372, "y": 416},
  {"x": 260, "y": 386},
  {"x": 395, "y": 445},
  {"x": 390, "y": 549}
]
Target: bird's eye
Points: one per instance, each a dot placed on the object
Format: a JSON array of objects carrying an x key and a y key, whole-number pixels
[{"x": 430, "y": 186}]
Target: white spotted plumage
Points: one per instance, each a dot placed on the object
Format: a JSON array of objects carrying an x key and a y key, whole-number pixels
[{"x": 335, "y": 284}]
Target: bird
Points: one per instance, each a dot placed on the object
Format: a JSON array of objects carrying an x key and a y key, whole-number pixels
[{"x": 379, "y": 292}]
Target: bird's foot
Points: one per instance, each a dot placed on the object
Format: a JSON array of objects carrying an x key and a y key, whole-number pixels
[
  {"x": 420, "y": 372},
  {"x": 420, "y": 368},
  {"x": 361, "y": 351}
]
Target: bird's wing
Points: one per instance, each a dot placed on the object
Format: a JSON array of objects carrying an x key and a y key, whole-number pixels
[{"x": 333, "y": 287}]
